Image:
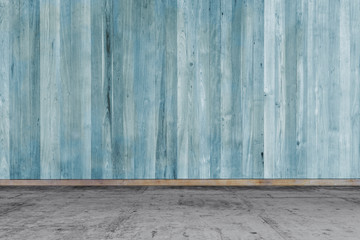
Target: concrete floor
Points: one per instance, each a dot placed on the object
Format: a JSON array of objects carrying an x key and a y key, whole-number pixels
[{"x": 179, "y": 213}]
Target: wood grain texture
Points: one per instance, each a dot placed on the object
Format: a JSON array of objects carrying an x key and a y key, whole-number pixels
[
  {"x": 75, "y": 64},
  {"x": 179, "y": 89},
  {"x": 144, "y": 89},
  {"x": 166, "y": 89},
  {"x": 308, "y": 99},
  {"x": 24, "y": 90},
  {"x": 50, "y": 89},
  {"x": 5, "y": 32},
  {"x": 101, "y": 89},
  {"x": 354, "y": 22},
  {"x": 123, "y": 112}
]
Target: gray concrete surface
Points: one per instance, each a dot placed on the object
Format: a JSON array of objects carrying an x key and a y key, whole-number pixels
[{"x": 179, "y": 213}]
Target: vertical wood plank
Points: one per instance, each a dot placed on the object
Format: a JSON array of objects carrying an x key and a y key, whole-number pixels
[
  {"x": 100, "y": 106},
  {"x": 166, "y": 89},
  {"x": 160, "y": 91},
  {"x": 83, "y": 67},
  {"x": 179, "y": 89},
  {"x": 238, "y": 97},
  {"x": 202, "y": 90},
  {"x": 333, "y": 90},
  {"x": 144, "y": 91},
  {"x": 123, "y": 132},
  {"x": 311, "y": 123},
  {"x": 192, "y": 48},
  {"x": 270, "y": 150},
  {"x": 226, "y": 90},
  {"x": 250, "y": 70},
  {"x": 243, "y": 67},
  {"x": 24, "y": 91},
  {"x": 355, "y": 87},
  {"x": 323, "y": 90},
  {"x": 321, "y": 48},
  {"x": 280, "y": 91},
  {"x": 101, "y": 89},
  {"x": 171, "y": 88},
  {"x": 215, "y": 88},
  {"x": 5, "y": 46},
  {"x": 50, "y": 86},
  {"x": 76, "y": 89},
  {"x": 301, "y": 93},
  {"x": 290, "y": 85},
  {"x": 66, "y": 140},
  {"x": 182, "y": 91},
  {"x": 345, "y": 88},
  {"x": 257, "y": 160}
]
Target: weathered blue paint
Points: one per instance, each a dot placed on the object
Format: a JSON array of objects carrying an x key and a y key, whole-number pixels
[
  {"x": 4, "y": 89},
  {"x": 179, "y": 89},
  {"x": 166, "y": 89},
  {"x": 214, "y": 87},
  {"x": 50, "y": 89},
  {"x": 101, "y": 89},
  {"x": 24, "y": 86},
  {"x": 75, "y": 96}
]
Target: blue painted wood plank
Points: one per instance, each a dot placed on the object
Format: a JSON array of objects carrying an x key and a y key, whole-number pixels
[
  {"x": 321, "y": 75},
  {"x": 345, "y": 89},
  {"x": 166, "y": 89},
  {"x": 355, "y": 88},
  {"x": 256, "y": 162},
  {"x": 182, "y": 91},
  {"x": 50, "y": 86},
  {"x": 203, "y": 90},
  {"x": 179, "y": 89},
  {"x": 101, "y": 89},
  {"x": 171, "y": 88},
  {"x": 323, "y": 87},
  {"x": 144, "y": 91},
  {"x": 333, "y": 88},
  {"x": 123, "y": 115},
  {"x": 75, "y": 118},
  {"x": 238, "y": 96},
  {"x": 66, "y": 140},
  {"x": 226, "y": 91},
  {"x": 310, "y": 108},
  {"x": 269, "y": 89},
  {"x": 24, "y": 88},
  {"x": 161, "y": 166},
  {"x": 215, "y": 88},
  {"x": 242, "y": 45},
  {"x": 302, "y": 89},
  {"x": 5, "y": 31},
  {"x": 280, "y": 89},
  {"x": 192, "y": 50},
  {"x": 281, "y": 80},
  {"x": 290, "y": 90},
  {"x": 196, "y": 97}
]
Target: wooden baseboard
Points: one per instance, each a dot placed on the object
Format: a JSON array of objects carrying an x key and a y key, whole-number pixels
[{"x": 185, "y": 182}]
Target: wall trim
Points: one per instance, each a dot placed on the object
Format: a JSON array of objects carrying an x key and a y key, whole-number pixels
[{"x": 184, "y": 182}]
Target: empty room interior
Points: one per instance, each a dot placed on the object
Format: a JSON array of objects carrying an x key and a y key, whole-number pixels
[{"x": 180, "y": 119}]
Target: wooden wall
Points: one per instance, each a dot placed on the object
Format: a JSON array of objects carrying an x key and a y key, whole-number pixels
[{"x": 153, "y": 89}]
